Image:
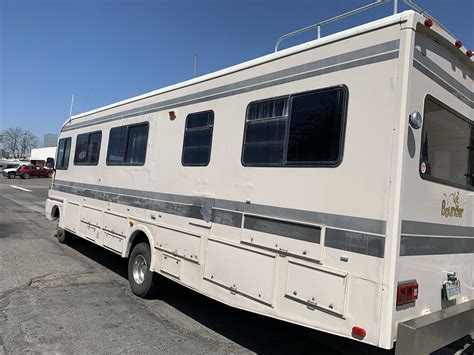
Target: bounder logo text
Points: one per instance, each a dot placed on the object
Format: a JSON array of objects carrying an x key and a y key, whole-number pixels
[{"x": 450, "y": 206}]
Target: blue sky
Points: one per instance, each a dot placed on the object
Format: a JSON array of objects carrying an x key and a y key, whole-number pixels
[{"x": 104, "y": 51}]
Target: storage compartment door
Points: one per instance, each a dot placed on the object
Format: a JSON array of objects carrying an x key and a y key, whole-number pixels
[
  {"x": 242, "y": 271},
  {"x": 317, "y": 288}
]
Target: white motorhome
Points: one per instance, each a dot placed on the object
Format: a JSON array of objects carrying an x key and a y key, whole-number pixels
[{"x": 329, "y": 184}]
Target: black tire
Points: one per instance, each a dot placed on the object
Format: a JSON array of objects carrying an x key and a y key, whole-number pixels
[
  {"x": 62, "y": 235},
  {"x": 11, "y": 175},
  {"x": 146, "y": 288},
  {"x": 26, "y": 176}
]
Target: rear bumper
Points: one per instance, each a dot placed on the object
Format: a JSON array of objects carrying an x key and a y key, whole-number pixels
[{"x": 431, "y": 332}]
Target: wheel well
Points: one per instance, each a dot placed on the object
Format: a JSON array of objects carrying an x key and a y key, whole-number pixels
[
  {"x": 55, "y": 212},
  {"x": 138, "y": 237}
]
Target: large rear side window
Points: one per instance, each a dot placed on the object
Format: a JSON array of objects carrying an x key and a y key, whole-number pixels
[
  {"x": 305, "y": 129},
  {"x": 447, "y": 153}
]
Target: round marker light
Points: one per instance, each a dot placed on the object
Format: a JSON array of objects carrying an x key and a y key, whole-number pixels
[
  {"x": 358, "y": 332},
  {"x": 469, "y": 53},
  {"x": 458, "y": 43},
  {"x": 428, "y": 22},
  {"x": 415, "y": 120}
]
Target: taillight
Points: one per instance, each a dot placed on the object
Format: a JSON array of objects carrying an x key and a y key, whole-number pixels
[{"x": 407, "y": 292}]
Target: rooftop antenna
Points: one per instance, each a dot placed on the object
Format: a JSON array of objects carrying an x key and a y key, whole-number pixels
[
  {"x": 195, "y": 64},
  {"x": 70, "y": 108}
]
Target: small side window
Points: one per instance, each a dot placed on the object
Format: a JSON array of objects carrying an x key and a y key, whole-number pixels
[
  {"x": 197, "y": 139},
  {"x": 127, "y": 145},
  {"x": 64, "y": 150},
  {"x": 87, "y": 148}
]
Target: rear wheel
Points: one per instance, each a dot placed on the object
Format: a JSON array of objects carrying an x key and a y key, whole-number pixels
[
  {"x": 26, "y": 176},
  {"x": 142, "y": 280}
]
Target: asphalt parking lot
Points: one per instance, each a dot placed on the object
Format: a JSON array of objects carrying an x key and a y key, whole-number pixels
[{"x": 75, "y": 298}]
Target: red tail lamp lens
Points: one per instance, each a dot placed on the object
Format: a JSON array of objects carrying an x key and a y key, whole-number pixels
[
  {"x": 407, "y": 292},
  {"x": 469, "y": 53},
  {"x": 458, "y": 43},
  {"x": 428, "y": 22},
  {"x": 358, "y": 332}
]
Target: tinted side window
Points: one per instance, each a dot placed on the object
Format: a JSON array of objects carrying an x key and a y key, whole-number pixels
[
  {"x": 197, "y": 139},
  {"x": 315, "y": 128},
  {"x": 127, "y": 145},
  {"x": 265, "y": 134},
  {"x": 94, "y": 148},
  {"x": 137, "y": 142},
  {"x": 298, "y": 130},
  {"x": 87, "y": 148},
  {"x": 447, "y": 153},
  {"x": 64, "y": 150},
  {"x": 117, "y": 145}
]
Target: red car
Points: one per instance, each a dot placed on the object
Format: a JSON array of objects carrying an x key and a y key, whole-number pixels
[{"x": 27, "y": 171}]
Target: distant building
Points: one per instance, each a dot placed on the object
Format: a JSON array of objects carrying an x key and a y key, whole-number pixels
[{"x": 50, "y": 140}]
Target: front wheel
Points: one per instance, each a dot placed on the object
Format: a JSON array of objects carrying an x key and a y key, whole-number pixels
[
  {"x": 62, "y": 235},
  {"x": 142, "y": 280},
  {"x": 11, "y": 175},
  {"x": 25, "y": 176}
]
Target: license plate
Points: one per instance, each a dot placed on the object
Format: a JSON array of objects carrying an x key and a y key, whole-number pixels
[{"x": 452, "y": 290}]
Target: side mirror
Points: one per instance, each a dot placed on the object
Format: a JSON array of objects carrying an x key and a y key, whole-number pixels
[
  {"x": 50, "y": 163},
  {"x": 415, "y": 120}
]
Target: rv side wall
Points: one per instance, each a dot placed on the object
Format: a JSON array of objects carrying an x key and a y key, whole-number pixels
[{"x": 304, "y": 244}]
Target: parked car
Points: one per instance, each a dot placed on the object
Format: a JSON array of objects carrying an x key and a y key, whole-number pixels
[
  {"x": 27, "y": 171},
  {"x": 10, "y": 170},
  {"x": 12, "y": 165}
]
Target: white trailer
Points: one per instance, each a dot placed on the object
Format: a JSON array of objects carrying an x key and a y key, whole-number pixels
[{"x": 328, "y": 185}]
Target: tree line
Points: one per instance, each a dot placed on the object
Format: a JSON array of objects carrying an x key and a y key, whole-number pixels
[{"x": 18, "y": 142}]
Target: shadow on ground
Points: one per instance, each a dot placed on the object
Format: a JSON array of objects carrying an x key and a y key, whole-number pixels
[{"x": 255, "y": 332}]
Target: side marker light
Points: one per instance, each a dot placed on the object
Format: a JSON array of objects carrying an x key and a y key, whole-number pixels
[{"x": 358, "y": 332}]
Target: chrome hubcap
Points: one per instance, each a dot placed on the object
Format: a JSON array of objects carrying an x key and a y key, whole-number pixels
[{"x": 139, "y": 269}]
